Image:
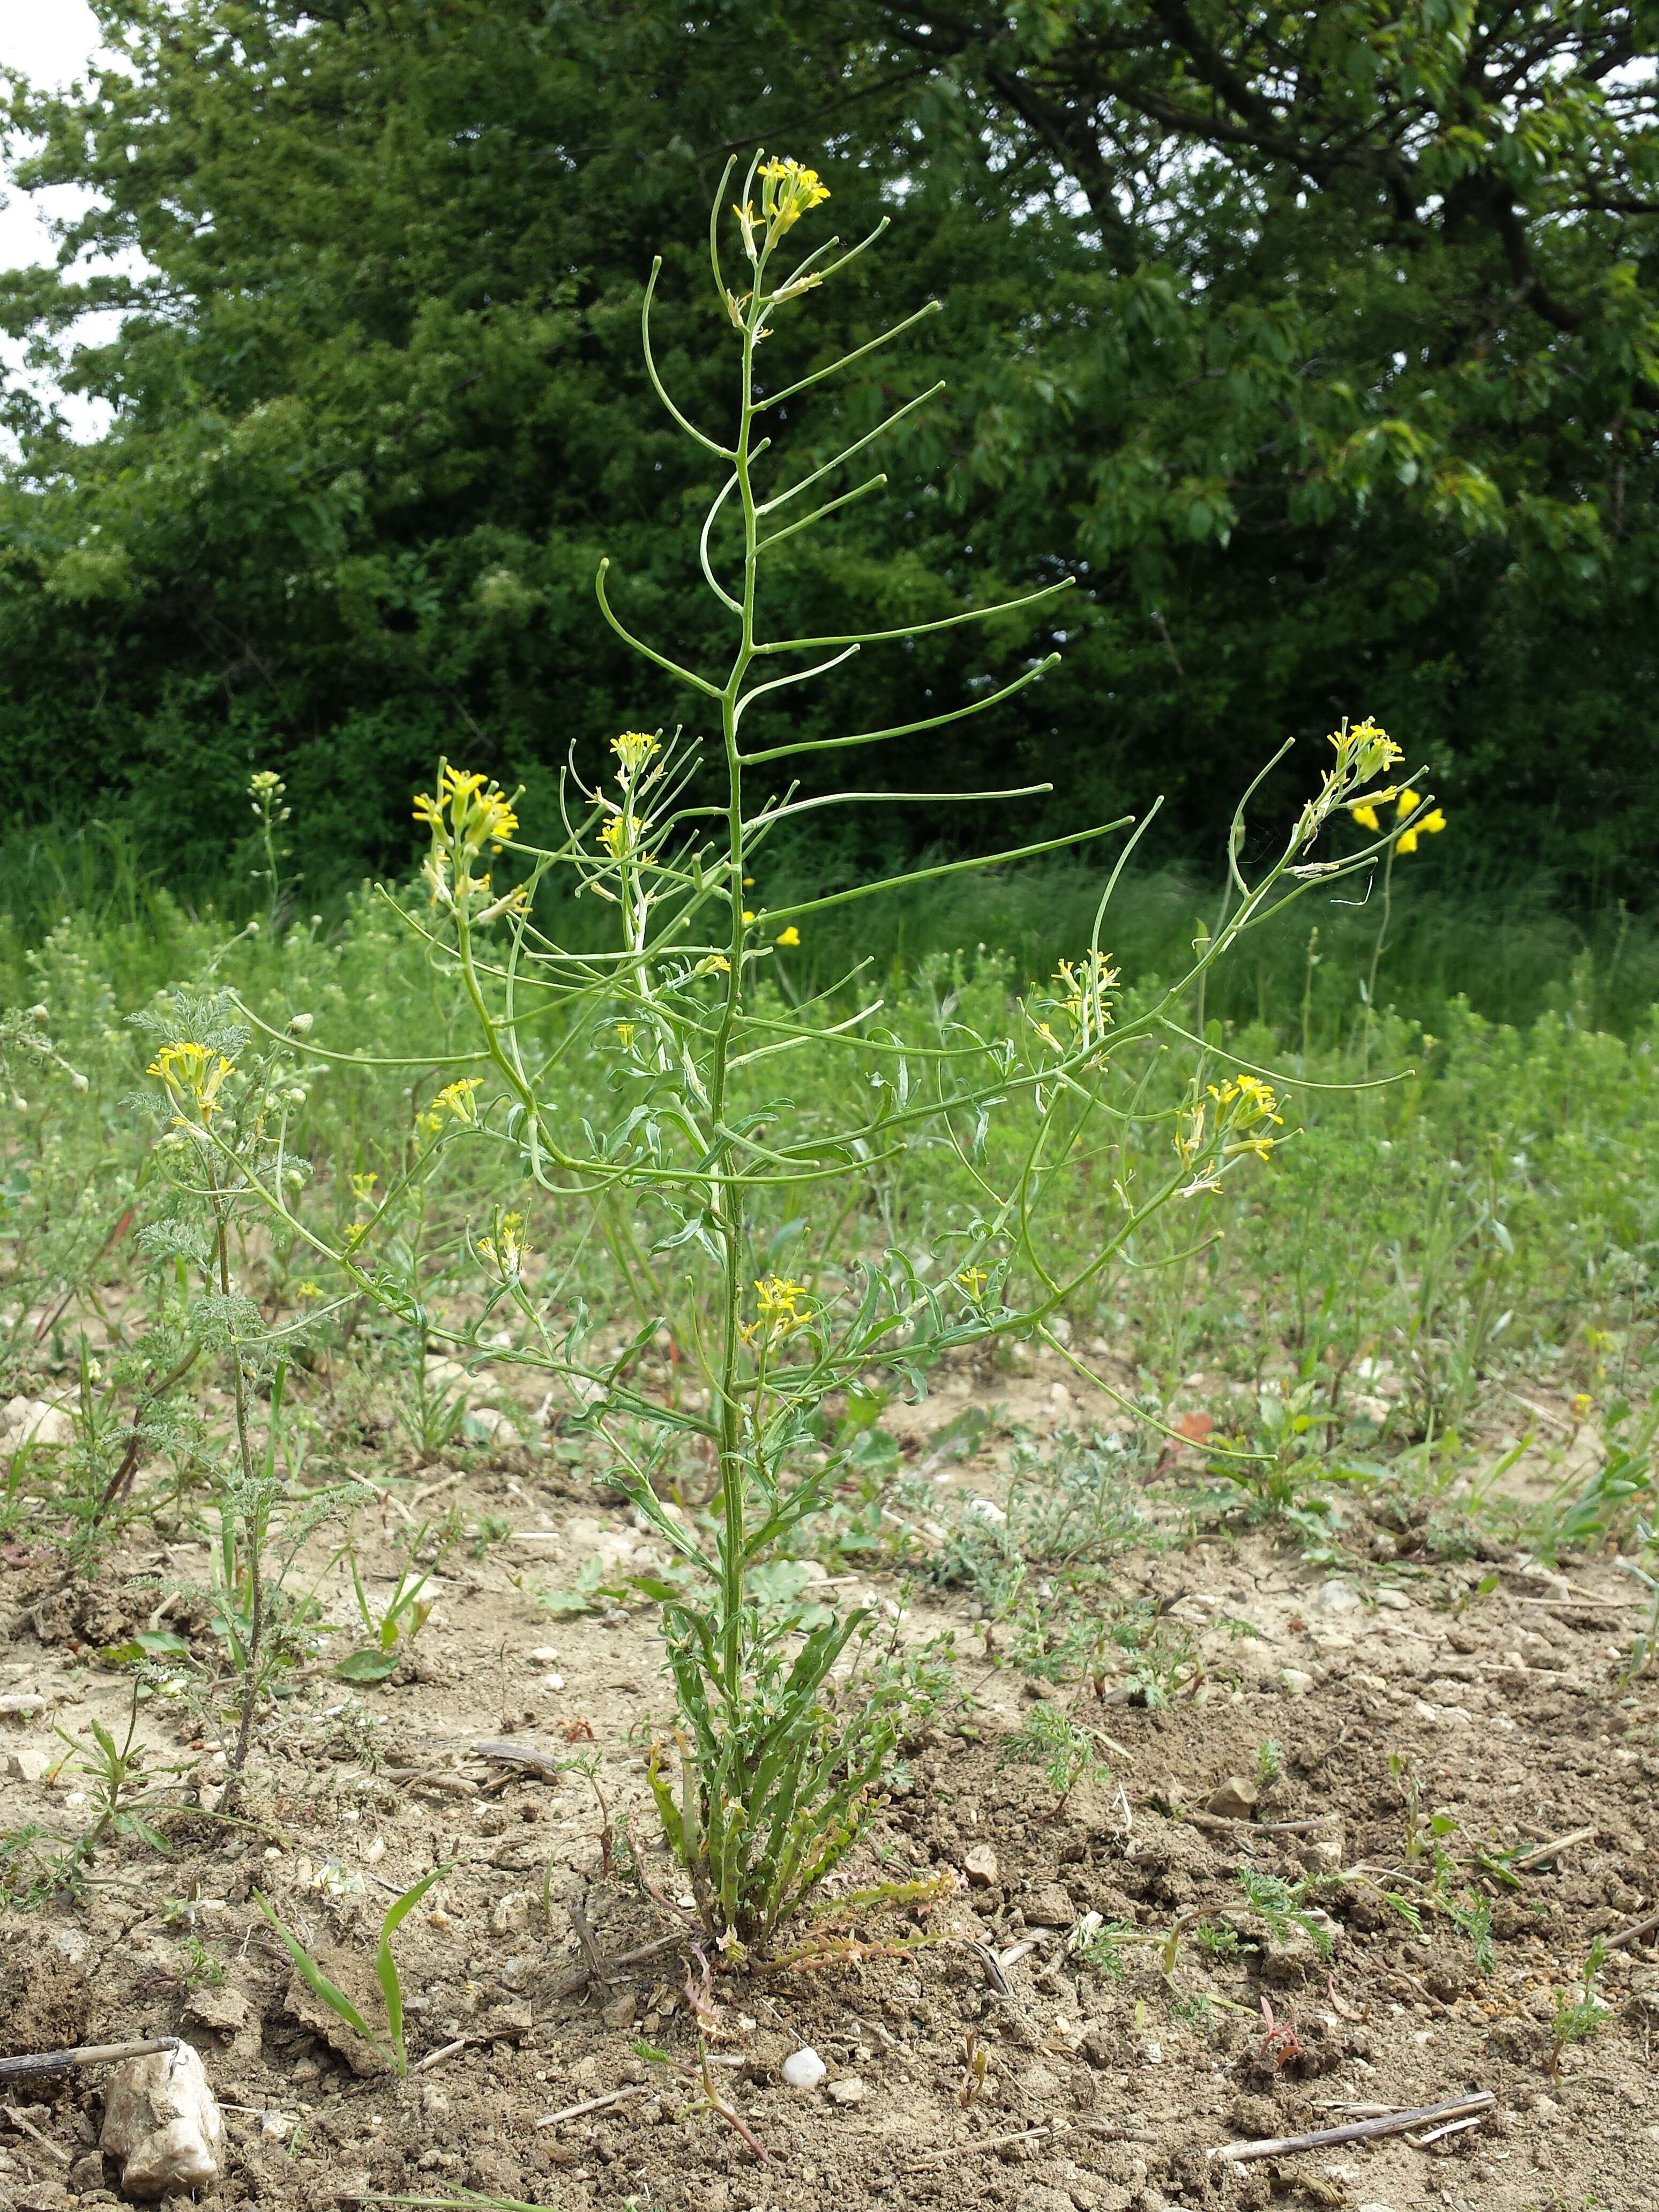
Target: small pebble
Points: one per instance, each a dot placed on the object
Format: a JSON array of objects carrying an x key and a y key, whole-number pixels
[
  {"x": 804, "y": 2068},
  {"x": 849, "y": 2090},
  {"x": 981, "y": 1866}
]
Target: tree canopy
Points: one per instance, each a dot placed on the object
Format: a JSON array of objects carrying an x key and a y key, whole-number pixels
[{"x": 1318, "y": 346}]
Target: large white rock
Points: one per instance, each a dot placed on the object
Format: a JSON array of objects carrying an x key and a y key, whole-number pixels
[{"x": 162, "y": 2121}]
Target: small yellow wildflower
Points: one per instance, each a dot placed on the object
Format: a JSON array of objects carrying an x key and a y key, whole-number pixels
[
  {"x": 713, "y": 964},
  {"x": 624, "y": 1034},
  {"x": 1368, "y": 746},
  {"x": 1431, "y": 825},
  {"x": 790, "y": 936},
  {"x": 778, "y": 1301},
  {"x": 634, "y": 749},
  {"x": 1085, "y": 988},
  {"x": 455, "y": 1098},
  {"x": 747, "y": 917},
  {"x": 1366, "y": 816},
  {"x": 1234, "y": 1116},
  {"x": 193, "y": 1075},
  {"x": 307, "y": 1290},
  {"x": 505, "y": 1249},
  {"x": 789, "y": 192},
  {"x": 973, "y": 1281},
  {"x": 469, "y": 812},
  {"x": 362, "y": 1188},
  {"x": 1583, "y": 1403}
]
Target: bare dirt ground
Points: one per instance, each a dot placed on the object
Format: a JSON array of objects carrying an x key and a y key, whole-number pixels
[{"x": 985, "y": 2063}]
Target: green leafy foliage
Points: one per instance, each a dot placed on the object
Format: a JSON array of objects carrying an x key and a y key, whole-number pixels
[{"x": 1325, "y": 345}]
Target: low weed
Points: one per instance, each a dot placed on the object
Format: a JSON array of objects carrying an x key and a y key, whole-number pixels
[{"x": 391, "y": 2044}]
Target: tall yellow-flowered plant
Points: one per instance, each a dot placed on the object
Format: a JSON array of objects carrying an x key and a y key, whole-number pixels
[{"x": 785, "y": 1725}]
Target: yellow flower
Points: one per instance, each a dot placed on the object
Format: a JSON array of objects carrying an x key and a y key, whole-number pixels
[
  {"x": 362, "y": 1187},
  {"x": 634, "y": 749},
  {"x": 1409, "y": 801},
  {"x": 790, "y": 936},
  {"x": 469, "y": 812},
  {"x": 713, "y": 964},
  {"x": 614, "y": 837},
  {"x": 1238, "y": 1112},
  {"x": 306, "y": 1290},
  {"x": 193, "y": 1074},
  {"x": 505, "y": 1249},
  {"x": 1430, "y": 826},
  {"x": 1367, "y": 747},
  {"x": 747, "y": 917},
  {"x": 1582, "y": 1403},
  {"x": 1365, "y": 816},
  {"x": 789, "y": 192},
  {"x": 1086, "y": 988},
  {"x": 454, "y": 1098},
  {"x": 778, "y": 1300},
  {"x": 624, "y": 1034},
  {"x": 973, "y": 1281}
]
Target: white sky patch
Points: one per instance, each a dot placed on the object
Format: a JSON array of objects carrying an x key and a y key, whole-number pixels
[{"x": 50, "y": 42}]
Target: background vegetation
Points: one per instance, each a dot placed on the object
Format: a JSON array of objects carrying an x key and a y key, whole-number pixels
[{"x": 1318, "y": 348}]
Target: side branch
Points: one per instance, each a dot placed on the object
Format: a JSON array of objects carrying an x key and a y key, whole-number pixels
[
  {"x": 647, "y": 651},
  {"x": 904, "y": 729},
  {"x": 921, "y": 629}
]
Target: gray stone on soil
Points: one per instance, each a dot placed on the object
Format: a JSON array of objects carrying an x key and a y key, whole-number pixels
[
  {"x": 1236, "y": 1799},
  {"x": 1048, "y": 1906},
  {"x": 162, "y": 2122}
]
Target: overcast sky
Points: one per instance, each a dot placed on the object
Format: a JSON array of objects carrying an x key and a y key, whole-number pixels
[{"x": 50, "y": 41}]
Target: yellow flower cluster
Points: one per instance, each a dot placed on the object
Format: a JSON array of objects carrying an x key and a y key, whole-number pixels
[
  {"x": 1084, "y": 988},
  {"x": 1233, "y": 1118},
  {"x": 505, "y": 1249},
  {"x": 778, "y": 1302},
  {"x": 193, "y": 1074},
  {"x": 456, "y": 1099},
  {"x": 1406, "y": 802},
  {"x": 1367, "y": 748},
  {"x": 469, "y": 812},
  {"x": 1364, "y": 752},
  {"x": 634, "y": 750},
  {"x": 789, "y": 192}
]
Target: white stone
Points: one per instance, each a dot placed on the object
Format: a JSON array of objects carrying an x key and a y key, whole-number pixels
[
  {"x": 484, "y": 1424},
  {"x": 28, "y": 1765},
  {"x": 162, "y": 2121},
  {"x": 1338, "y": 1596},
  {"x": 32, "y": 1420},
  {"x": 1297, "y": 1680},
  {"x": 986, "y": 1509},
  {"x": 804, "y": 2068},
  {"x": 849, "y": 2090}
]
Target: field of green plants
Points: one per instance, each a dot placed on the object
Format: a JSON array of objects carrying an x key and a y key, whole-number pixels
[{"x": 641, "y": 1150}]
